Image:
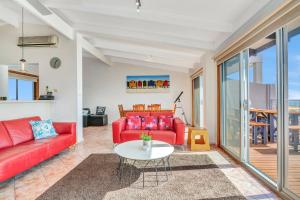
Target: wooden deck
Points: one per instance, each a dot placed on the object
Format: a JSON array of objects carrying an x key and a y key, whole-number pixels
[{"x": 264, "y": 158}]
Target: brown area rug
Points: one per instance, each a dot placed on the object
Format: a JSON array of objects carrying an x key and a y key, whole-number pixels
[{"x": 193, "y": 177}]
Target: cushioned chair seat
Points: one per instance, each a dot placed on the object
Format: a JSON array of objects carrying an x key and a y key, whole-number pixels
[
  {"x": 165, "y": 136},
  {"x": 132, "y": 135}
]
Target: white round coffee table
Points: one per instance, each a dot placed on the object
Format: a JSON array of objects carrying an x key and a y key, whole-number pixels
[{"x": 159, "y": 154}]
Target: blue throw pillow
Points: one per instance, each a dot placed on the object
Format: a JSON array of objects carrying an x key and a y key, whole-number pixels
[{"x": 42, "y": 129}]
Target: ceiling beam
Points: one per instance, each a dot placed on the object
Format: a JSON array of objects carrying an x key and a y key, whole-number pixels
[
  {"x": 146, "y": 50},
  {"x": 147, "y": 58},
  {"x": 138, "y": 63},
  {"x": 145, "y": 15},
  {"x": 53, "y": 20},
  {"x": 94, "y": 51},
  {"x": 117, "y": 32},
  {"x": 141, "y": 26},
  {"x": 8, "y": 16}
]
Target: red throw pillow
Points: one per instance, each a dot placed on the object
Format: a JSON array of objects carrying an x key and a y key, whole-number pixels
[
  {"x": 133, "y": 123},
  {"x": 165, "y": 123},
  {"x": 149, "y": 123}
]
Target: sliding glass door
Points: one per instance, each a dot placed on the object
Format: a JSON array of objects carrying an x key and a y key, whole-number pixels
[
  {"x": 262, "y": 111},
  {"x": 292, "y": 111},
  {"x": 231, "y": 109},
  {"x": 260, "y": 108}
]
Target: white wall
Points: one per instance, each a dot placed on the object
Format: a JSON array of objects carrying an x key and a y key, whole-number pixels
[
  {"x": 3, "y": 80},
  {"x": 14, "y": 110},
  {"x": 106, "y": 86},
  {"x": 62, "y": 79},
  {"x": 210, "y": 95}
]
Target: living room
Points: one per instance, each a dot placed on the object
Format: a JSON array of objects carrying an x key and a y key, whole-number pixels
[{"x": 149, "y": 99}]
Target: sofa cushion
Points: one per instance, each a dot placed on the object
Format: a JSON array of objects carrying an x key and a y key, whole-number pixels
[
  {"x": 133, "y": 123},
  {"x": 165, "y": 123},
  {"x": 42, "y": 129},
  {"x": 58, "y": 143},
  {"x": 128, "y": 135},
  {"x": 140, "y": 114},
  {"x": 158, "y": 114},
  {"x": 20, "y": 130},
  {"x": 21, "y": 157},
  {"x": 166, "y": 136},
  {"x": 149, "y": 123},
  {"x": 5, "y": 140}
]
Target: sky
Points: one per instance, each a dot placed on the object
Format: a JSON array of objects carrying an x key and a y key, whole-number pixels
[
  {"x": 269, "y": 67},
  {"x": 25, "y": 91},
  {"x": 294, "y": 67}
]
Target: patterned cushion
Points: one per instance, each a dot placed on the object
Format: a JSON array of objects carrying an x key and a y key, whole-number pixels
[
  {"x": 149, "y": 123},
  {"x": 42, "y": 129},
  {"x": 133, "y": 123},
  {"x": 165, "y": 123}
]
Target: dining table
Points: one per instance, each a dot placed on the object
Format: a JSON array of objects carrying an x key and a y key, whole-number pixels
[{"x": 271, "y": 117}]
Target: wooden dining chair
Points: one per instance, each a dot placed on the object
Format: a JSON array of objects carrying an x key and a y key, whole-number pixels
[
  {"x": 121, "y": 110},
  {"x": 155, "y": 107},
  {"x": 138, "y": 107}
]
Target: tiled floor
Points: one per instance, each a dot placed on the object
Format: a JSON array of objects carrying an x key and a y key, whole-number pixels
[{"x": 35, "y": 181}]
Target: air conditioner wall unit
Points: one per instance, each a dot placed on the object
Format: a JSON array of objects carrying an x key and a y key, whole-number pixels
[{"x": 38, "y": 41}]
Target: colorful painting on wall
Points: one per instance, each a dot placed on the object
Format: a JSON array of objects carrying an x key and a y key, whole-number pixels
[{"x": 147, "y": 84}]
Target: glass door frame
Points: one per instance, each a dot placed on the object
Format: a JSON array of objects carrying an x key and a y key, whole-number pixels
[
  {"x": 244, "y": 116},
  {"x": 222, "y": 113},
  {"x": 284, "y": 113}
]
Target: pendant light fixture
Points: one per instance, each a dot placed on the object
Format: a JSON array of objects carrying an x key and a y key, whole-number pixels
[
  {"x": 22, "y": 60},
  {"x": 138, "y": 5}
]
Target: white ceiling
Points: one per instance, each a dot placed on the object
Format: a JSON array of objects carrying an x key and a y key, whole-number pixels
[{"x": 165, "y": 33}]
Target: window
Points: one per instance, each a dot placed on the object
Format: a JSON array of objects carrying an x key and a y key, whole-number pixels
[{"x": 19, "y": 89}]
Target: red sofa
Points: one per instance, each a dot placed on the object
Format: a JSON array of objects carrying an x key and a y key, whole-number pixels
[
  {"x": 19, "y": 151},
  {"x": 173, "y": 136}
]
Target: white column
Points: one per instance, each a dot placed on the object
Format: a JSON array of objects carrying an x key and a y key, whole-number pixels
[
  {"x": 79, "y": 87},
  {"x": 256, "y": 63}
]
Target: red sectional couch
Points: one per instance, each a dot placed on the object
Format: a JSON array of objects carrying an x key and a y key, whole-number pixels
[
  {"x": 173, "y": 136},
  {"x": 19, "y": 151}
]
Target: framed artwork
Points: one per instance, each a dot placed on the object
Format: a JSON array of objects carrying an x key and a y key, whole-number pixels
[{"x": 148, "y": 84}]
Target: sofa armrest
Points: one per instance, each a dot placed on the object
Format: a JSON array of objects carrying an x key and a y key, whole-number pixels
[
  {"x": 117, "y": 127},
  {"x": 66, "y": 128},
  {"x": 179, "y": 128}
]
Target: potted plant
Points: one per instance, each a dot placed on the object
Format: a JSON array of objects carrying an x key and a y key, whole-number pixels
[{"x": 147, "y": 141}]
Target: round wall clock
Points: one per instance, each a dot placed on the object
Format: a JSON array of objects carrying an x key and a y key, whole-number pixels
[{"x": 55, "y": 62}]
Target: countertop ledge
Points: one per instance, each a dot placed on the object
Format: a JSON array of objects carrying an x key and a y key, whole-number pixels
[{"x": 34, "y": 101}]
